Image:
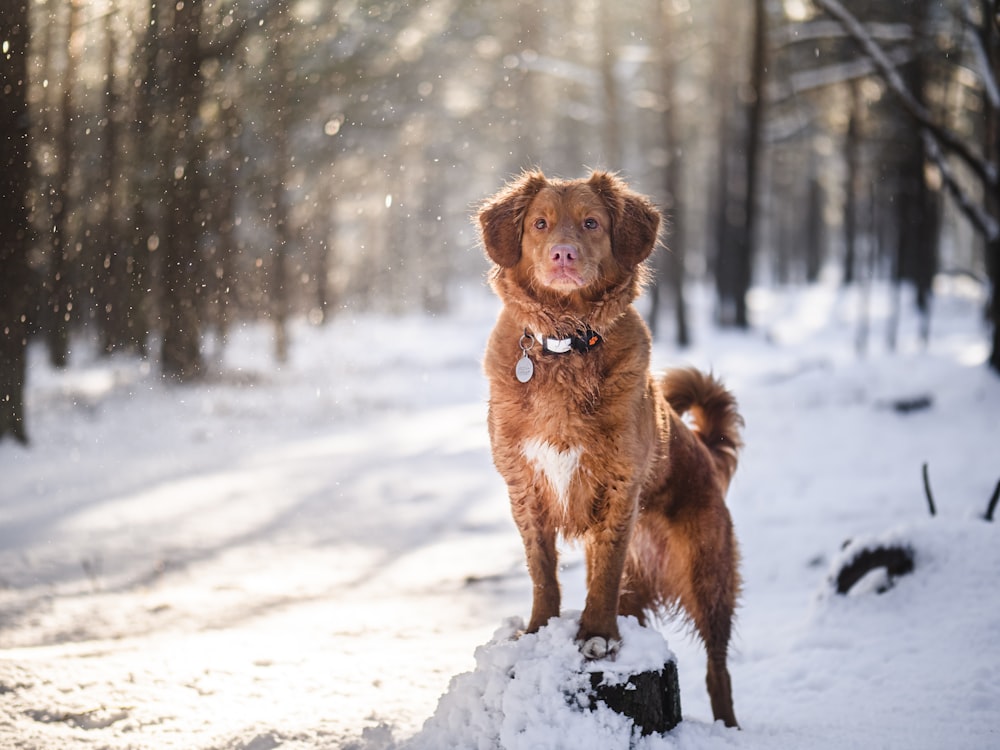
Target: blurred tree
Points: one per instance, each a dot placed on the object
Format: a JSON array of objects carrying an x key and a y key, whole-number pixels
[
  {"x": 141, "y": 152},
  {"x": 63, "y": 252},
  {"x": 738, "y": 159},
  {"x": 814, "y": 241},
  {"x": 222, "y": 276},
  {"x": 184, "y": 180},
  {"x": 853, "y": 184},
  {"x": 671, "y": 263},
  {"x": 727, "y": 202},
  {"x": 114, "y": 303},
  {"x": 181, "y": 355},
  {"x": 527, "y": 40},
  {"x": 184, "y": 52},
  {"x": 16, "y": 289},
  {"x": 942, "y": 143},
  {"x": 917, "y": 204},
  {"x": 755, "y": 98},
  {"x": 611, "y": 105},
  {"x": 280, "y": 85},
  {"x": 739, "y": 155}
]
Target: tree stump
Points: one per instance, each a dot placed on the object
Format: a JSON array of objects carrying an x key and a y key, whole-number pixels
[{"x": 652, "y": 700}]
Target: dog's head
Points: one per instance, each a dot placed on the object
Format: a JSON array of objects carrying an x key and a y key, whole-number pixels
[{"x": 569, "y": 236}]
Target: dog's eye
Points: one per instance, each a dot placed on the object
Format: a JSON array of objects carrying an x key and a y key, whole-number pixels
[
  {"x": 541, "y": 224},
  {"x": 590, "y": 223}
]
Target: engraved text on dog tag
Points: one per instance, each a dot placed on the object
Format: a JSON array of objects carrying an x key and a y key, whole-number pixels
[{"x": 525, "y": 368}]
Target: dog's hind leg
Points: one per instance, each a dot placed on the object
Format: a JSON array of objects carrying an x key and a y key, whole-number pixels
[
  {"x": 720, "y": 690},
  {"x": 642, "y": 585},
  {"x": 712, "y": 612},
  {"x": 714, "y": 624},
  {"x": 700, "y": 574}
]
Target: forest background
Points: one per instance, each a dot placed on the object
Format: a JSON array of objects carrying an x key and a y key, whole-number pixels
[{"x": 172, "y": 169}]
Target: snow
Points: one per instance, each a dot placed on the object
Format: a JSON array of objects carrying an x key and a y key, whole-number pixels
[
  {"x": 533, "y": 691},
  {"x": 320, "y": 555}
]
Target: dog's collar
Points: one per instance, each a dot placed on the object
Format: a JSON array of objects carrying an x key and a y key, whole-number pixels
[{"x": 581, "y": 341}]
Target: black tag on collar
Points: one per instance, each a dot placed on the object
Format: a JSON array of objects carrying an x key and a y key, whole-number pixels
[{"x": 584, "y": 341}]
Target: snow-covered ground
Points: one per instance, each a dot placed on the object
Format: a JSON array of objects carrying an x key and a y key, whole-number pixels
[{"x": 307, "y": 557}]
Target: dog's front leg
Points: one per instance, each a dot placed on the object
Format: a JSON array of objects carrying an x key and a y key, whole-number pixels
[
  {"x": 539, "y": 537},
  {"x": 606, "y": 547}
]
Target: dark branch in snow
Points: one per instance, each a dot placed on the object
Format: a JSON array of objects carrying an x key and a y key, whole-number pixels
[
  {"x": 914, "y": 108},
  {"x": 992, "y": 506},
  {"x": 927, "y": 490},
  {"x": 896, "y": 559}
]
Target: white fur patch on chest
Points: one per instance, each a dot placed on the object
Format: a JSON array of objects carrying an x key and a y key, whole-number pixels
[{"x": 558, "y": 466}]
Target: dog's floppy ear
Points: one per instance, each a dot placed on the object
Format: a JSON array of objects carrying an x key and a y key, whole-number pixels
[
  {"x": 501, "y": 217},
  {"x": 635, "y": 221}
]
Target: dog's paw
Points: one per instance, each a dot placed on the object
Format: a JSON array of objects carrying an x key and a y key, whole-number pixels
[
  {"x": 600, "y": 648},
  {"x": 511, "y": 629}
]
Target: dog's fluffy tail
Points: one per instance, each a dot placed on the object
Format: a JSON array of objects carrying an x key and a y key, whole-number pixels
[{"x": 713, "y": 410}]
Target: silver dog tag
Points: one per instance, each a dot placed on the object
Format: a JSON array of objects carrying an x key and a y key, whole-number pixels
[{"x": 525, "y": 368}]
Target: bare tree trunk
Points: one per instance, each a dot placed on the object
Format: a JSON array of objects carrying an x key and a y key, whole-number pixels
[
  {"x": 673, "y": 260},
  {"x": 324, "y": 258},
  {"x": 993, "y": 309},
  {"x": 725, "y": 203},
  {"x": 991, "y": 46},
  {"x": 852, "y": 148},
  {"x": 736, "y": 188},
  {"x": 15, "y": 229},
  {"x": 278, "y": 281},
  {"x": 755, "y": 118},
  {"x": 223, "y": 276},
  {"x": 814, "y": 227},
  {"x": 182, "y": 267},
  {"x": 323, "y": 253},
  {"x": 611, "y": 135},
  {"x": 60, "y": 283},
  {"x": 867, "y": 277},
  {"x": 527, "y": 36},
  {"x": 112, "y": 285},
  {"x": 918, "y": 209},
  {"x": 141, "y": 184},
  {"x": 725, "y": 219}
]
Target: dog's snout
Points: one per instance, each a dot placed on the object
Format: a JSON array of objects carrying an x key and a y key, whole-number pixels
[{"x": 563, "y": 254}]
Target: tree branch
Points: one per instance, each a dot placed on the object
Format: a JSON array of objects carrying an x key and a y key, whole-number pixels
[
  {"x": 980, "y": 219},
  {"x": 977, "y": 34},
  {"x": 946, "y": 138},
  {"x": 992, "y": 506},
  {"x": 811, "y": 31},
  {"x": 927, "y": 490},
  {"x": 812, "y": 79}
]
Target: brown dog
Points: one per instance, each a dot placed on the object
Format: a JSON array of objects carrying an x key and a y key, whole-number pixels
[{"x": 591, "y": 446}]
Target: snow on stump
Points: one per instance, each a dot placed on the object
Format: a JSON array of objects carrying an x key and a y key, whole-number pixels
[
  {"x": 879, "y": 563},
  {"x": 537, "y": 691}
]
